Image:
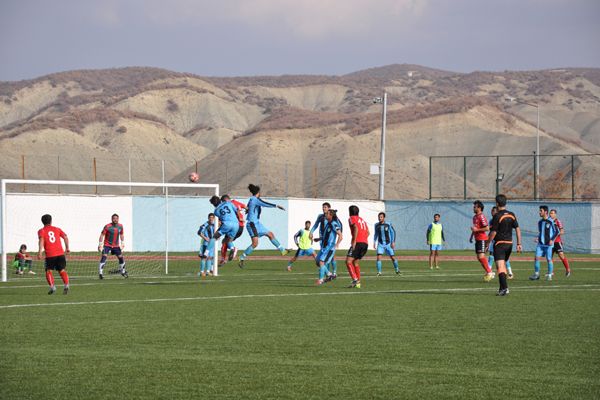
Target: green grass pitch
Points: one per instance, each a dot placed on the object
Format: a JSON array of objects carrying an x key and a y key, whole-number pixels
[{"x": 265, "y": 333}]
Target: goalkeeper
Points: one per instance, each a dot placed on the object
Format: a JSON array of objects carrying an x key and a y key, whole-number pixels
[{"x": 112, "y": 241}]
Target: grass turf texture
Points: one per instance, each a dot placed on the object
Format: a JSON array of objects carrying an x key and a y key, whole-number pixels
[{"x": 264, "y": 333}]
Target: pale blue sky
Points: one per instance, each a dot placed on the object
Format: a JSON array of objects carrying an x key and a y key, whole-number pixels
[{"x": 276, "y": 37}]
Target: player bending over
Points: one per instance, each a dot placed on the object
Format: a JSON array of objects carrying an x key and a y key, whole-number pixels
[
  {"x": 229, "y": 244},
  {"x": 229, "y": 227}
]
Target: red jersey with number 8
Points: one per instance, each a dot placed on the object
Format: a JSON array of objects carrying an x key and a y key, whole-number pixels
[
  {"x": 362, "y": 235},
  {"x": 52, "y": 245}
]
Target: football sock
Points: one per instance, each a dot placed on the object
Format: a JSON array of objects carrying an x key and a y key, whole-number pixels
[
  {"x": 122, "y": 267},
  {"x": 65, "y": 277},
  {"x": 209, "y": 265},
  {"x": 276, "y": 243},
  {"x": 202, "y": 265},
  {"x": 351, "y": 271},
  {"x": 550, "y": 267},
  {"x": 357, "y": 271},
  {"x": 249, "y": 250},
  {"x": 536, "y": 267},
  {"x": 491, "y": 261},
  {"x": 566, "y": 264},
  {"x": 334, "y": 266},
  {"x": 484, "y": 263},
  {"x": 50, "y": 278},
  {"x": 396, "y": 265},
  {"x": 230, "y": 245},
  {"x": 502, "y": 280},
  {"x": 224, "y": 250},
  {"x": 378, "y": 264},
  {"x": 323, "y": 271}
]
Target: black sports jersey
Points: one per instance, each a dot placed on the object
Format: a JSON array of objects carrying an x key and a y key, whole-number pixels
[{"x": 503, "y": 223}]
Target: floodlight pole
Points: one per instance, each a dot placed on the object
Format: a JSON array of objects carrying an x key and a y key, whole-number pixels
[{"x": 382, "y": 100}]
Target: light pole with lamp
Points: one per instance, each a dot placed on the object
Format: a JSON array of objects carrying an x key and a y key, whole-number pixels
[
  {"x": 380, "y": 100},
  {"x": 537, "y": 141}
]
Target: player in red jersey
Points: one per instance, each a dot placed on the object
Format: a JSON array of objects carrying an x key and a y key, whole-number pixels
[
  {"x": 112, "y": 241},
  {"x": 49, "y": 242},
  {"x": 479, "y": 232},
  {"x": 241, "y": 207},
  {"x": 558, "y": 245},
  {"x": 359, "y": 246}
]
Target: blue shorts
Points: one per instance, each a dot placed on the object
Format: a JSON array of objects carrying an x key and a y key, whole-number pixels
[
  {"x": 256, "y": 229},
  {"x": 207, "y": 249},
  {"x": 435, "y": 247},
  {"x": 229, "y": 229},
  {"x": 325, "y": 255},
  {"x": 304, "y": 252},
  {"x": 385, "y": 249},
  {"x": 543, "y": 251},
  {"x": 112, "y": 250}
]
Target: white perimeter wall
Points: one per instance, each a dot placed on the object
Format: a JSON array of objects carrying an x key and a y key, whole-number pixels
[
  {"x": 300, "y": 210},
  {"x": 595, "y": 242},
  {"x": 80, "y": 217}
]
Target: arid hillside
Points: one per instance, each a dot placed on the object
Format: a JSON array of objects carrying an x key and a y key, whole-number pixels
[{"x": 308, "y": 136}]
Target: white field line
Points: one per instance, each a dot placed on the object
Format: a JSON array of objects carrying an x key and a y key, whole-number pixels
[
  {"x": 352, "y": 292},
  {"x": 283, "y": 276}
]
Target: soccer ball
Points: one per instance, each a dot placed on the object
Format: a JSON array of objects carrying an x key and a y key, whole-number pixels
[{"x": 193, "y": 177}]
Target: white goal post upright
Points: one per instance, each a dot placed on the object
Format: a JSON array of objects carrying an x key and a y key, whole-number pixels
[{"x": 165, "y": 186}]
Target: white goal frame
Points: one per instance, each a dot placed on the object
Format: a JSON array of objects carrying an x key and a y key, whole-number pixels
[{"x": 164, "y": 186}]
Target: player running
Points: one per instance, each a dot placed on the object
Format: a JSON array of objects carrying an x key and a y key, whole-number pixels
[
  {"x": 558, "y": 245},
  {"x": 321, "y": 223},
  {"x": 49, "y": 242},
  {"x": 332, "y": 236},
  {"x": 501, "y": 235},
  {"x": 207, "y": 245},
  {"x": 491, "y": 251},
  {"x": 359, "y": 246},
  {"x": 112, "y": 241},
  {"x": 384, "y": 241},
  {"x": 547, "y": 232},
  {"x": 255, "y": 228},
  {"x": 303, "y": 239},
  {"x": 479, "y": 231}
]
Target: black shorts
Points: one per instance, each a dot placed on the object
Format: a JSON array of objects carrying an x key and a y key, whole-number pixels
[
  {"x": 57, "y": 263},
  {"x": 239, "y": 232},
  {"x": 480, "y": 246},
  {"x": 557, "y": 248},
  {"x": 358, "y": 251},
  {"x": 502, "y": 251},
  {"x": 116, "y": 251}
]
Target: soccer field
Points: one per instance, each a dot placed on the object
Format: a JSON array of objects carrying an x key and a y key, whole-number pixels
[{"x": 265, "y": 333}]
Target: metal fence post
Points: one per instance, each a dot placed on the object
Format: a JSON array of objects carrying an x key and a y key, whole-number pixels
[
  {"x": 464, "y": 178},
  {"x": 430, "y": 157},
  {"x": 535, "y": 188},
  {"x": 572, "y": 178},
  {"x": 497, "y": 175}
]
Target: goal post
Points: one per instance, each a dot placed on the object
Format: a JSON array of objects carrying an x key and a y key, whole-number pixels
[{"x": 166, "y": 215}]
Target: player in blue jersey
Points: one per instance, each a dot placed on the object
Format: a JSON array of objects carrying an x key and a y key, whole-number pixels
[
  {"x": 207, "y": 245},
  {"x": 321, "y": 223},
  {"x": 254, "y": 227},
  {"x": 491, "y": 256},
  {"x": 547, "y": 232},
  {"x": 230, "y": 227},
  {"x": 384, "y": 242},
  {"x": 332, "y": 236}
]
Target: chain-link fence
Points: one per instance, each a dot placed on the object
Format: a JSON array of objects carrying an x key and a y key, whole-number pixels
[
  {"x": 570, "y": 177},
  {"x": 557, "y": 177}
]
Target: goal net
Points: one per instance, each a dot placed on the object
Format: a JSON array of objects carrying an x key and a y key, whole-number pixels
[{"x": 160, "y": 223}]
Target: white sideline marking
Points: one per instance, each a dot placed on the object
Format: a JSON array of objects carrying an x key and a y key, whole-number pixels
[{"x": 352, "y": 292}]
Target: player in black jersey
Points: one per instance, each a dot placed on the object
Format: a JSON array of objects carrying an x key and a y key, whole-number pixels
[{"x": 501, "y": 234}]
